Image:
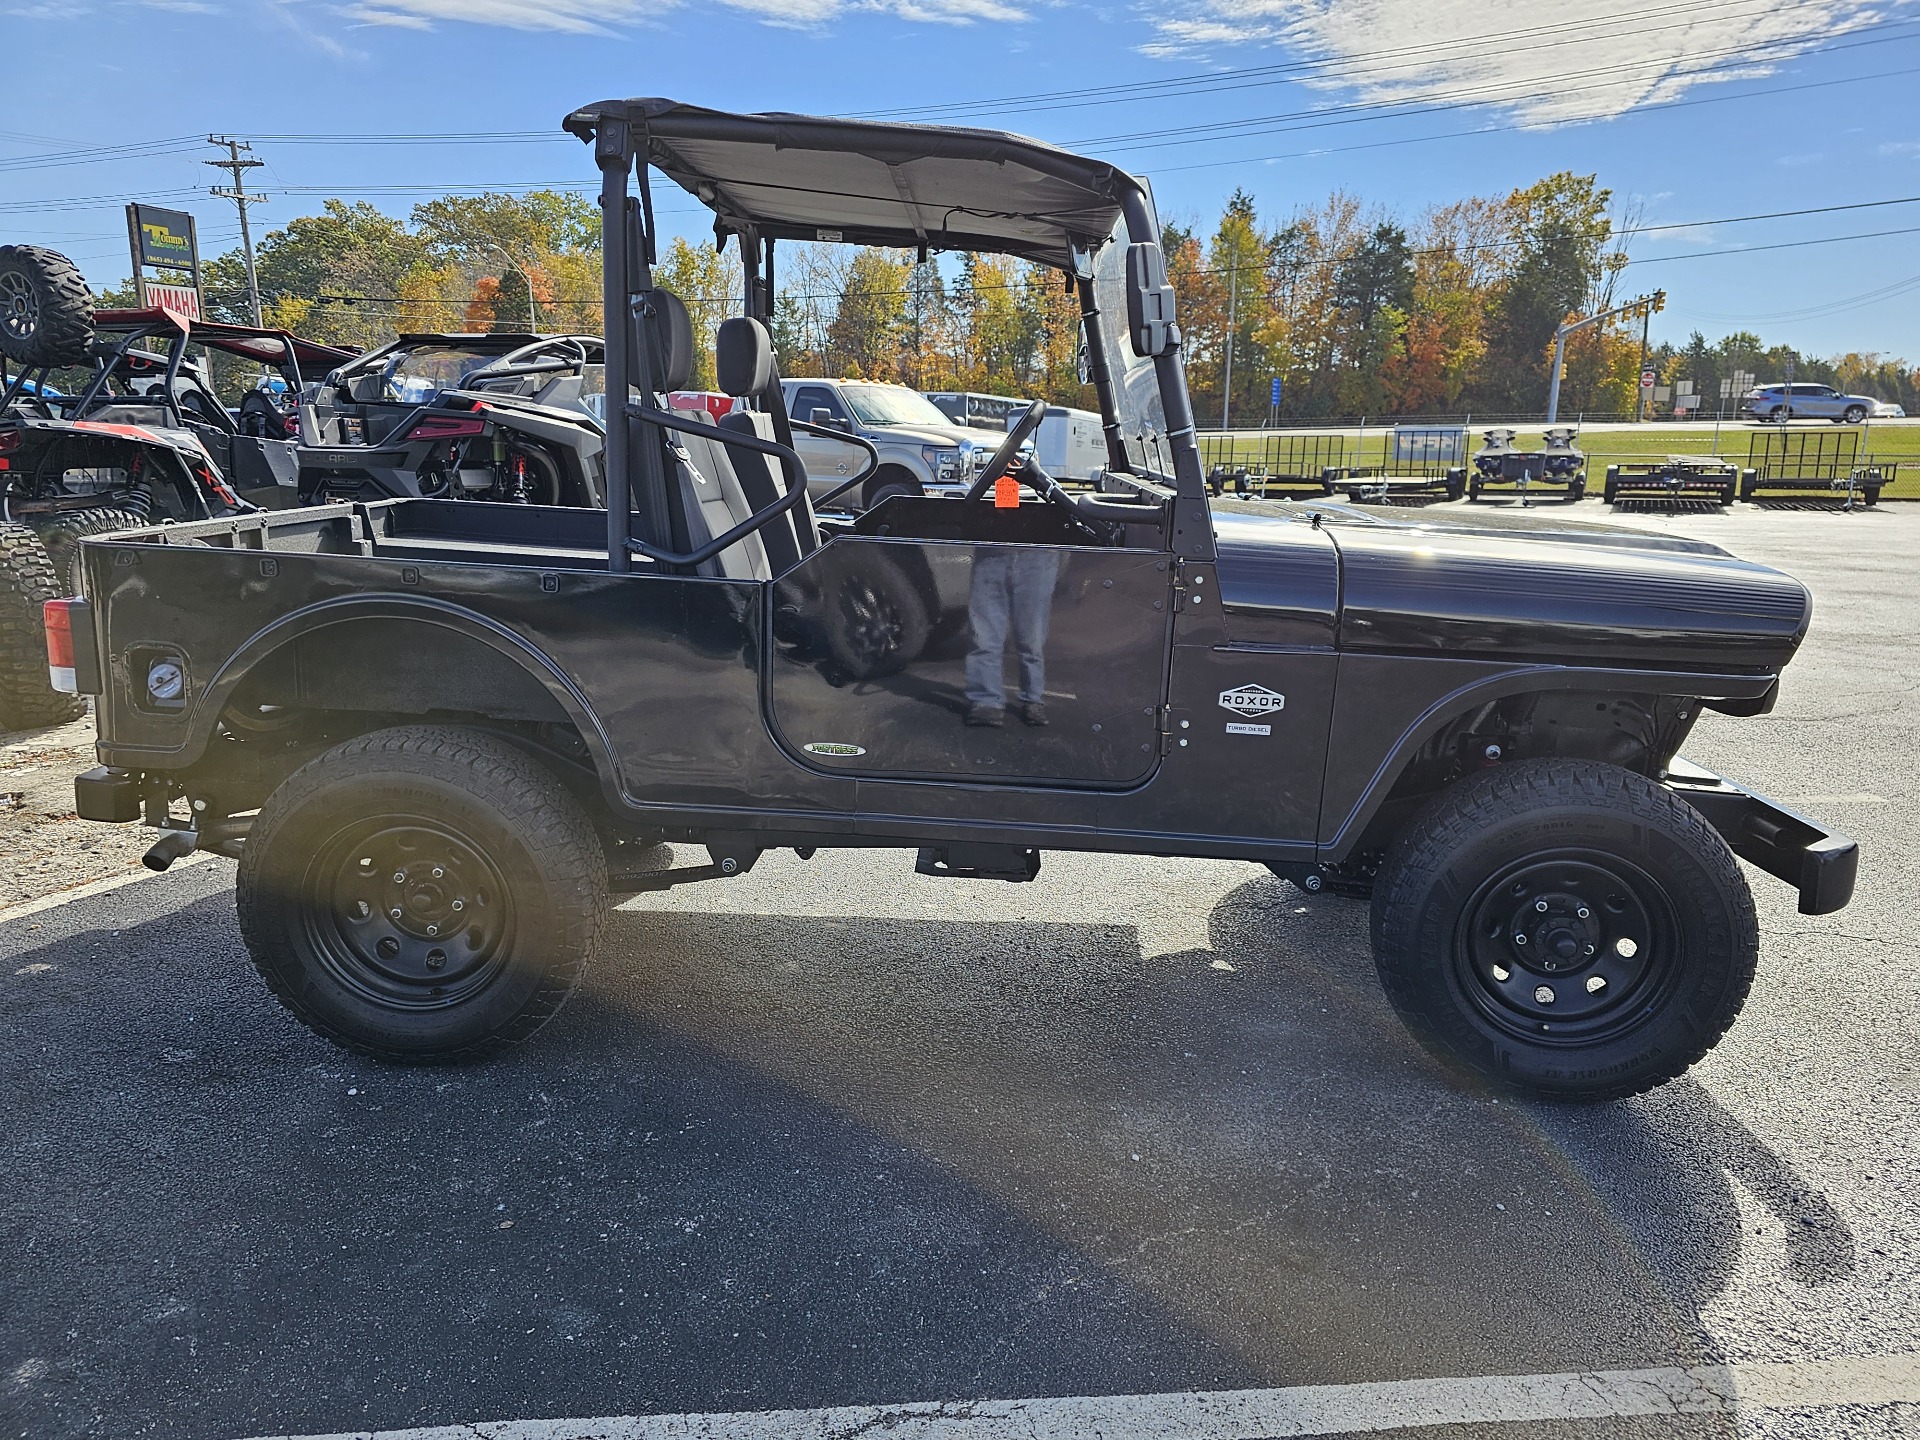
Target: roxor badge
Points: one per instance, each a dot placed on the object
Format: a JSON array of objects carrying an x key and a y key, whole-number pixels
[{"x": 1253, "y": 700}]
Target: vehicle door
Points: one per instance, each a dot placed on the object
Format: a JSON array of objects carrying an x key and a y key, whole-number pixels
[
  {"x": 1813, "y": 402},
  {"x": 829, "y": 462},
  {"x": 886, "y": 648}
]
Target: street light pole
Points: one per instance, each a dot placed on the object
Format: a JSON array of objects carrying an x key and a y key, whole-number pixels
[
  {"x": 1650, "y": 303},
  {"x": 1226, "y": 389}
]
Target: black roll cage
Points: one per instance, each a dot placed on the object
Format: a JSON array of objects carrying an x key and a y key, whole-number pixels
[{"x": 635, "y": 468}]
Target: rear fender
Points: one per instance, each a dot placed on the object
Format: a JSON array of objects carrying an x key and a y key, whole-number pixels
[{"x": 432, "y": 620}]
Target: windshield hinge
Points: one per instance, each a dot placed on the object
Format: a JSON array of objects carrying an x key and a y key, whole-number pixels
[{"x": 1179, "y": 582}]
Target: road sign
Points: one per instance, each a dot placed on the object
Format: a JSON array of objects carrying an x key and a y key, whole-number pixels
[
  {"x": 1276, "y": 391},
  {"x": 180, "y": 301},
  {"x": 1646, "y": 379}
]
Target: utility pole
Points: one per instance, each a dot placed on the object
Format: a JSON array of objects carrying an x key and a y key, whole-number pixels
[
  {"x": 1226, "y": 389},
  {"x": 237, "y": 164}
]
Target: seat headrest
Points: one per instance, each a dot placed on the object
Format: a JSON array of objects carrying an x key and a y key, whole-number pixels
[
  {"x": 743, "y": 356},
  {"x": 670, "y": 338}
]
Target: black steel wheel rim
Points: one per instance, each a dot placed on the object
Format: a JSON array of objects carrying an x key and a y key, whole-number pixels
[
  {"x": 1570, "y": 948},
  {"x": 19, "y": 306},
  {"x": 870, "y": 621},
  {"x": 408, "y": 913}
]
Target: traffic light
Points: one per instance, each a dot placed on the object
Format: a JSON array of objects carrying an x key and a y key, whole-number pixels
[{"x": 1659, "y": 301}]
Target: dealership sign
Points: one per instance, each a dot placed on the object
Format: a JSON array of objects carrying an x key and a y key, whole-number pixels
[{"x": 166, "y": 241}]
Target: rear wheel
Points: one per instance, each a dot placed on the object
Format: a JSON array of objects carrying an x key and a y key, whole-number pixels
[
  {"x": 46, "y": 312},
  {"x": 1565, "y": 928},
  {"x": 422, "y": 893},
  {"x": 27, "y": 700}
]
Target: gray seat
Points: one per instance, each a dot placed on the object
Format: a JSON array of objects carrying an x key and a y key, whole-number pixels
[
  {"x": 704, "y": 494},
  {"x": 743, "y": 360}
]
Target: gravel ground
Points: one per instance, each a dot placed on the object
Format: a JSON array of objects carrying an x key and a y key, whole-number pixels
[{"x": 44, "y": 847}]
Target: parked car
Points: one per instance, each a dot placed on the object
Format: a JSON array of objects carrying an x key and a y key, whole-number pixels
[
  {"x": 922, "y": 451},
  {"x": 1887, "y": 410},
  {"x": 1476, "y": 723},
  {"x": 512, "y": 418},
  {"x": 1806, "y": 402}
]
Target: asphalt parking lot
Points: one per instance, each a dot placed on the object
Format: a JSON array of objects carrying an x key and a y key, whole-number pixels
[{"x": 835, "y": 1135}]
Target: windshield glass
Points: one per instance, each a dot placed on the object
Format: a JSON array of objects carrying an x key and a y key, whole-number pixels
[
  {"x": 414, "y": 377},
  {"x": 1136, "y": 389},
  {"x": 892, "y": 405}
]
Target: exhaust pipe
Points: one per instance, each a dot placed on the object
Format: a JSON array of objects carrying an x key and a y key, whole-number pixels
[{"x": 171, "y": 845}]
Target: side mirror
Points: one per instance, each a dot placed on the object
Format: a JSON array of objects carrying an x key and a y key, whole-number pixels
[
  {"x": 1150, "y": 302},
  {"x": 820, "y": 416}
]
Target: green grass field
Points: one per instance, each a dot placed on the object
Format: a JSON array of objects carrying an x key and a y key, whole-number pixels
[{"x": 1898, "y": 444}]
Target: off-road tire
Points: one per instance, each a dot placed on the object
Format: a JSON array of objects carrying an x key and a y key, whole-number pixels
[
  {"x": 63, "y": 533},
  {"x": 1478, "y": 845},
  {"x": 46, "y": 312},
  {"x": 1610, "y": 491},
  {"x": 510, "y": 842},
  {"x": 876, "y": 621},
  {"x": 27, "y": 700}
]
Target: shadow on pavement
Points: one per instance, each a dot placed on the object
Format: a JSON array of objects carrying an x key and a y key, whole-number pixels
[{"x": 781, "y": 1160}]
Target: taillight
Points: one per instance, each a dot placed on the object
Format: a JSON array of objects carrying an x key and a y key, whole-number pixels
[
  {"x": 447, "y": 427},
  {"x": 60, "y": 669}
]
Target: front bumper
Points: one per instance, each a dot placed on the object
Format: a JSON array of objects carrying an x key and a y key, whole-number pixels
[{"x": 1820, "y": 863}]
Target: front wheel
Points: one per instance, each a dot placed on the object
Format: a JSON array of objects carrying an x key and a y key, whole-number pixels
[
  {"x": 1855, "y": 414},
  {"x": 1564, "y": 928},
  {"x": 422, "y": 893}
]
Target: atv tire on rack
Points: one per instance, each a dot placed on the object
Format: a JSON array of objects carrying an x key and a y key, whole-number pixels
[{"x": 46, "y": 312}]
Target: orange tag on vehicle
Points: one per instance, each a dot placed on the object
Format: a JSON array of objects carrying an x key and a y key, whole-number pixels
[{"x": 1006, "y": 493}]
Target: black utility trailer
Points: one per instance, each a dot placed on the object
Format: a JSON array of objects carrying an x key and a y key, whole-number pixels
[
  {"x": 1267, "y": 467},
  {"x": 1676, "y": 478},
  {"x": 1421, "y": 461},
  {"x": 1807, "y": 463},
  {"x": 1478, "y": 720}
]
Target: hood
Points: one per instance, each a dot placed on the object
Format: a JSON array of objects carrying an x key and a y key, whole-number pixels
[
  {"x": 1515, "y": 588},
  {"x": 947, "y": 437}
]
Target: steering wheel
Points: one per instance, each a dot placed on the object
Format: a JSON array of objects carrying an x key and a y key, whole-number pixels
[{"x": 1002, "y": 459}]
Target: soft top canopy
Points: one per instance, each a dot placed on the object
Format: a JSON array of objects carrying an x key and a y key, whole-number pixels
[
  {"x": 804, "y": 177},
  {"x": 265, "y": 346}
]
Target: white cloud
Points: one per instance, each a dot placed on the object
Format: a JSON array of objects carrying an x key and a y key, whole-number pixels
[{"x": 1428, "y": 50}]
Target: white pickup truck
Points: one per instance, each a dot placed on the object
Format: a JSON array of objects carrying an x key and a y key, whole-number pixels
[{"x": 922, "y": 452}]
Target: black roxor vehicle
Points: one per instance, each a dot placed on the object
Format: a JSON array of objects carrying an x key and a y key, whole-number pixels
[{"x": 1476, "y": 722}]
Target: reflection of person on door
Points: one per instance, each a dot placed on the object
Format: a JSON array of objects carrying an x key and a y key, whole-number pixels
[{"x": 1011, "y": 598}]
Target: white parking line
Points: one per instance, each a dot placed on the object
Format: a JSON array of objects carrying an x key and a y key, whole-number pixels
[
  {"x": 1263, "y": 1414},
  {"x": 93, "y": 887}
]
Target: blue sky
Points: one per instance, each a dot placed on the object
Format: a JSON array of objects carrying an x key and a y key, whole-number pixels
[{"x": 1689, "y": 113}]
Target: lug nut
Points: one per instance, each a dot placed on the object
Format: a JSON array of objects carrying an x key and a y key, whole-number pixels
[
  {"x": 1583, "y": 912},
  {"x": 1518, "y": 939},
  {"x": 395, "y": 912},
  {"x": 461, "y": 905},
  {"x": 438, "y": 873},
  {"x": 1540, "y": 905},
  {"x": 399, "y": 877},
  {"x": 1586, "y": 949}
]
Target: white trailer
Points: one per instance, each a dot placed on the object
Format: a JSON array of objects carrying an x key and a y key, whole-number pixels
[{"x": 1070, "y": 444}]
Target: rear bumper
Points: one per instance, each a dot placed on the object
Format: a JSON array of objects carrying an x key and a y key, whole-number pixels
[{"x": 1820, "y": 863}]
